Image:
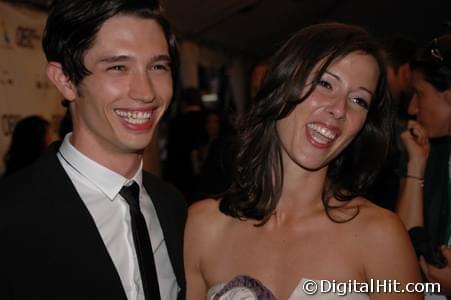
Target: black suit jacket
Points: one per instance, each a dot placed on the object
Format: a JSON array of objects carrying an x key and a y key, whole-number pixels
[{"x": 50, "y": 247}]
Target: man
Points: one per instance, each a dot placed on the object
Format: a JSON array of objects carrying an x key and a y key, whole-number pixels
[
  {"x": 398, "y": 53},
  {"x": 82, "y": 222}
]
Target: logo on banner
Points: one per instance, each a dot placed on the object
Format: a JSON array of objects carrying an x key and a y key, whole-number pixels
[
  {"x": 8, "y": 122},
  {"x": 5, "y": 39},
  {"x": 5, "y": 78},
  {"x": 43, "y": 84},
  {"x": 27, "y": 37}
]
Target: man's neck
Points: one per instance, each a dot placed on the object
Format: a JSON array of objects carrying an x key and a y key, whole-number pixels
[{"x": 124, "y": 163}]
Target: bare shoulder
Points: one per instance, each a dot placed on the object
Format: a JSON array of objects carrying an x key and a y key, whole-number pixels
[
  {"x": 205, "y": 212},
  {"x": 369, "y": 221},
  {"x": 386, "y": 249},
  {"x": 202, "y": 234},
  {"x": 204, "y": 208},
  {"x": 377, "y": 222},
  {"x": 205, "y": 220}
]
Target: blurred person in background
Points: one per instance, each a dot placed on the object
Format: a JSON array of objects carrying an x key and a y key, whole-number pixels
[
  {"x": 424, "y": 202},
  {"x": 187, "y": 136},
  {"x": 30, "y": 138},
  {"x": 398, "y": 53},
  {"x": 216, "y": 175}
]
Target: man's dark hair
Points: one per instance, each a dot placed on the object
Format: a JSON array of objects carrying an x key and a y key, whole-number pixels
[
  {"x": 258, "y": 178},
  {"x": 434, "y": 62},
  {"x": 72, "y": 26},
  {"x": 399, "y": 51}
]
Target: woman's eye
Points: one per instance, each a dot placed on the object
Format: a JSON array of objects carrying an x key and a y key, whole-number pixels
[
  {"x": 362, "y": 102},
  {"x": 325, "y": 84}
]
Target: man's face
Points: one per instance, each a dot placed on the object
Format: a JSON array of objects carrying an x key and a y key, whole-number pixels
[
  {"x": 118, "y": 106},
  {"x": 399, "y": 81}
]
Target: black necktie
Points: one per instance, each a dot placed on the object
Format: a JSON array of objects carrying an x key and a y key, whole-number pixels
[{"x": 143, "y": 247}]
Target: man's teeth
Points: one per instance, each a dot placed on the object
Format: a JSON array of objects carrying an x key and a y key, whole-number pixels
[
  {"x": 322, "y": 131},
  {"x": 135, "y": 117}
]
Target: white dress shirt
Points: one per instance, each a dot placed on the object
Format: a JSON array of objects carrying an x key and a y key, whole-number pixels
[{"x": 99, "y": 188}]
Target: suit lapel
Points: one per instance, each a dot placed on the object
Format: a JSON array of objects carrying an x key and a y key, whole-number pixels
[
  {"x": 172, "y": 234},
  {"x": 78, "y": 248}
]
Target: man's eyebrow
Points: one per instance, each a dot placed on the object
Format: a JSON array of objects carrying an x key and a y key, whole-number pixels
[
  {"x": 360, "y": 87},
  {"x": 114, "y": 58},
  {"x": 161, "y": 57},
  {"x": 121, "y": 58}
]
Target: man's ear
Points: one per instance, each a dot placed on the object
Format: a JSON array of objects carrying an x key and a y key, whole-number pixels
[
  {"x": 61, "y": 81},
  {"x": 448, "y": 96},
  {"x": 405, "y": 72}
]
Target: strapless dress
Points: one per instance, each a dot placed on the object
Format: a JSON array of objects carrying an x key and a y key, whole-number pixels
[{"x": 248, "y": 288}]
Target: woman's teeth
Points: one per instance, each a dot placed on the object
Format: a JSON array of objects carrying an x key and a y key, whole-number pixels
[{"x": 325, "y": 132}]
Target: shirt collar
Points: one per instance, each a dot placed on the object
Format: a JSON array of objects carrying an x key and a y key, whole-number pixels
[{"x": 106, "y": 180}]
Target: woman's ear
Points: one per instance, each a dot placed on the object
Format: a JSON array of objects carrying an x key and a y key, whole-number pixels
[{"x": 61, "y": 81}]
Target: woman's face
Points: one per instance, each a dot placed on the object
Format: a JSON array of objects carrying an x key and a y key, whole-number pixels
[
  {"x": 431, "y": 107},
  {"x": 321, "y": 126}
]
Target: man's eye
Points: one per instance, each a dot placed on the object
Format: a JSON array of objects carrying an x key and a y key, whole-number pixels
[
  {"x": 161, "y": 67},
  {"x": 117, "y": 68}
]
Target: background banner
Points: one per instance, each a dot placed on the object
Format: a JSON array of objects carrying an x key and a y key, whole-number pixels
[{"x": 24, "y": 87}]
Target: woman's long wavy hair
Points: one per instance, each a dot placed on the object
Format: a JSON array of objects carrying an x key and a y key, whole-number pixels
[{"x": 258, "y": 176}]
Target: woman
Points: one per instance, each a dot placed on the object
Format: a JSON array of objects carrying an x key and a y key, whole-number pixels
[
  {"x": 424, "y": 203},
  {"x": 310, "y": 145}
]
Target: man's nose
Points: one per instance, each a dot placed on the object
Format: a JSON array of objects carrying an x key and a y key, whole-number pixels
[{"x": 142, "y": 88}]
